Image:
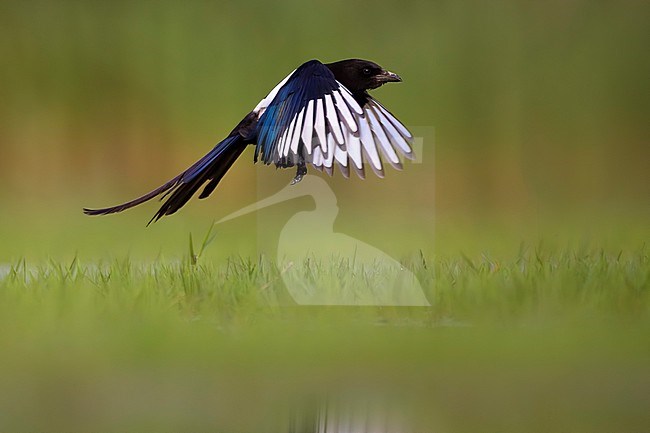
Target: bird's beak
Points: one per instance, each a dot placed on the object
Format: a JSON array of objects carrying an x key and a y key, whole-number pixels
[{"x": 388, "y": 77}]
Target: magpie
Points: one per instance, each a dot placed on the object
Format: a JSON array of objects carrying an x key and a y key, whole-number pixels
[{"x": 319, "y": 115}]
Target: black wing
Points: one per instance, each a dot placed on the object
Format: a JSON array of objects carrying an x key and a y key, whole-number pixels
[{"x": 312, "y": 117}]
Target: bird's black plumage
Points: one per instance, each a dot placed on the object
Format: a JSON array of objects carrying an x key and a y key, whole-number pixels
[{"x": 320, "y": 114}]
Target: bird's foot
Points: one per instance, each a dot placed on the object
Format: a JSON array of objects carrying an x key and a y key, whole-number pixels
[
  {"x": 300, "y": 173},
  {"x": 296, "y": 179}
]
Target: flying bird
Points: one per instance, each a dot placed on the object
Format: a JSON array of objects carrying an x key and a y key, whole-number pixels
[{"x": 319, "y": 115}]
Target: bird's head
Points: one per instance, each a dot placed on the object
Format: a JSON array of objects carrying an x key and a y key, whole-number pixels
[{"x": 359, "y": 75}]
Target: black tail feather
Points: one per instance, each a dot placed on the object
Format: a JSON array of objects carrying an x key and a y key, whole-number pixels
[
  {"x": 128, "y": 205},
  {"x": 211, "y": 168},
  {"x": 220, "y": 171}
]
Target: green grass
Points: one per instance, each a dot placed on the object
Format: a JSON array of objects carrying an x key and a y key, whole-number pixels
[{"x": 550, "y": 340}]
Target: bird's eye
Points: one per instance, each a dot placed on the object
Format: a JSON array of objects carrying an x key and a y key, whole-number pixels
[{"x": 366, "y": 71}]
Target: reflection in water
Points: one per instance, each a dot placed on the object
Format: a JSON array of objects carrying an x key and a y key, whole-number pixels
[
  {"x": 365, "y": 276},
  {"x": 348, "y": 416}
]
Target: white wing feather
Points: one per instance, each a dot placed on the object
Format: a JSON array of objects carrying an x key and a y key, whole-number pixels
[
  {"x": 319, "y": 125},
  {"x": 308, "y": 127},
  {"x": 335, "y": 128},
  {"x": 385, "y": 145},
  {"x": 295, "y": 139},
  {"x": 333, "y": 119}
]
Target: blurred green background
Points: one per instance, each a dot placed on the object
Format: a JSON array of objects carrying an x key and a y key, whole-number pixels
[
  {"x": 526, "y": 220},
  {"x": 535, "y": 115}
]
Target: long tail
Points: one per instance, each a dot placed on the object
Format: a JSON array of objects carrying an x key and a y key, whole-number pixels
[{"x": 211, "y": 168}]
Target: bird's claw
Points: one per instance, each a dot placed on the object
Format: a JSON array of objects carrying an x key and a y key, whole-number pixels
[{"x": 300, "y": 173}]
